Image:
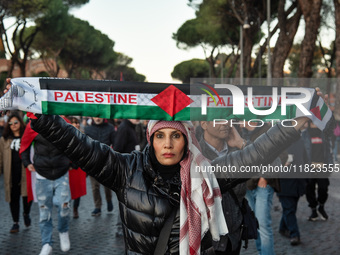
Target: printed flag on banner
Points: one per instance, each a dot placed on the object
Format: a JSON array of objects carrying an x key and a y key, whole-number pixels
[
  {"x": 162, "y": 101},
  {"x": 321, "y": 114}
]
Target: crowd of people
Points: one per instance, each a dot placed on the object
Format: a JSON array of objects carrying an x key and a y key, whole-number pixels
[{"x": 147, "y": 164}]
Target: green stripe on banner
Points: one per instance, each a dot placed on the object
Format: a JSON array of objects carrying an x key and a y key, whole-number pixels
[
  {"x": 154, "y": 112},
  {"x": 112, "y": 111},
  {"x": 323, "y": 110}
]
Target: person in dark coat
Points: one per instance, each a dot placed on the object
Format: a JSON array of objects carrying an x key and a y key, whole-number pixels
[
  {"x": 104, "y": 132},
  {"x": 319, "y": 153},
  {"x": 126, "y": 137},
  {"x": 291, "y": 191},
  {"x": 14, "y": 171}
]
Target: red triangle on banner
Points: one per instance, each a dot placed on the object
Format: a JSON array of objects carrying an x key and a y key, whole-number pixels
[
  {"x": 316, "y": 112},
  {"x": 172, "y": 100}
]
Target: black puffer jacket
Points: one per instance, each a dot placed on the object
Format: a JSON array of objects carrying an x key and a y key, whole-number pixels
[
  {"x": 49, "y": 162},
  {"x": 142, "y": 209}
]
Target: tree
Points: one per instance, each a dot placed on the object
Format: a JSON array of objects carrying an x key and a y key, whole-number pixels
[
  {"x": 311, "y": 13},
  {"x": 194, "y": 68},
  {"x": 121, "y": 69},
  {"x": 226, "y": 17},
  {"x": 24, "y": 12},
  {"x": 87, "y": 51},
  {"x": 288, "y": 25},
  {"x": 318, "y": 62},
  {"x": 337, "y": 58},
  {"x": 211, "y": 30},
  {"x": 55, "y": 28},
  {"x": 210, "y": 37}
]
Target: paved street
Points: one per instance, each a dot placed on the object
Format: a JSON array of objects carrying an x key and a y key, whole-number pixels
[
  {"x": 96, "y": 235},
  {"x": 318, "y": 238}
]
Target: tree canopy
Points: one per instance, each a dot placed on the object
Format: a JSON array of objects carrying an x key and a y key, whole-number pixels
[
  {"x": 44, "y": 29},
  {"x": 198, "y": 68}
]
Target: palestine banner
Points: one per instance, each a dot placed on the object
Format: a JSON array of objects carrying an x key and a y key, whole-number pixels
[{"x": 161, "y": 101}]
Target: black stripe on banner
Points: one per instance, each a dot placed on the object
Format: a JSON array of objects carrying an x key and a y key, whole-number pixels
[
  {"x": 142, "y": 87},
  {"x": 257, "y": 90},
  {"x": 315, "y": 100},
  {"x": 109, "y": 86}
]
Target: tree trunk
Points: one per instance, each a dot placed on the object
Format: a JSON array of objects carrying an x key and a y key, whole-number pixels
[
  {"x": 248, "y": 35},
  {"x": 11, "y": 69},
  {"x": 311, "y": 13},
  {"x": 232, "y": 66},
  {"x": 288, "y": 28},
  {"x": 337, "y": 59},
  {"x": 22, "y": 66}
]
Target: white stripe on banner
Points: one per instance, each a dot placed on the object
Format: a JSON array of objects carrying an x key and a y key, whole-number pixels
[{"x": 96, "y": 97}]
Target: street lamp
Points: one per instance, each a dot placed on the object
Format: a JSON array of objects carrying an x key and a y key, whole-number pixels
[{"x": 245, "y": 26}]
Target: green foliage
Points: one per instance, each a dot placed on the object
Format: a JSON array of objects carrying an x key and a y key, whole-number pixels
[
  {"x": 41, "y": 74},
  {"x": 23, "y": 9},
  {"x": 121, "y": 66},
  {"x": 44, "y": 13},
  {"x": 188, "y": 34},
  {"x": 210, "y": 27},
  {"x": 194, "y": 68},
  {"x": 55, "y": 26},
  {"x": 86, "y": 48},
  {"x": 294, "y": 60},
  {"x": 128, "y": 73},
  {"x": 78, "y": 47}
]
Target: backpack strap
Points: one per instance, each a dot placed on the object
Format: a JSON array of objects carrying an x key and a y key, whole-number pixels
[{"x": 164, "y": 235}]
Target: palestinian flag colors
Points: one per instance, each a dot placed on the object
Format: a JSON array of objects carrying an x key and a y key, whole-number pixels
[
  {"x": 138, "y": 100},
  {"x": 321, "y": 114},
  {"x": 100, "y": 98}
]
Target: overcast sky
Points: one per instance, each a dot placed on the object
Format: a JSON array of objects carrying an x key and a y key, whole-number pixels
[{"x": 142, "y": 30}]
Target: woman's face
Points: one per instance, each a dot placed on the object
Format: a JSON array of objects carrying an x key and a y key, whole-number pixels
[
  {"x": 14, "y": 124},
  {"x": 169, "y": 146}
]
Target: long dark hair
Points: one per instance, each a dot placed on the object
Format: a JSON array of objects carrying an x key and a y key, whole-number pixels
[{"x": 8, "y": 131}]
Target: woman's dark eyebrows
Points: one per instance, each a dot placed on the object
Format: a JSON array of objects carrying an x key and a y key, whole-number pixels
[
  {"x": 176, "y": 131},
  {"x": 172, "y": 132}
]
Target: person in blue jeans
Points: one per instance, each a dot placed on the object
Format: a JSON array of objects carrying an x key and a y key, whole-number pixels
[
  {"x": 260, "y": 201},
  {"x": 48, "y": 191},
  {"x": 260, "y": 193},
  {"x": 52, "y": 187}
]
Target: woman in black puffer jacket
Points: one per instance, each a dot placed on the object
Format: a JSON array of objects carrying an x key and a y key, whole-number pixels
[{"x": 148, "y": 183}]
